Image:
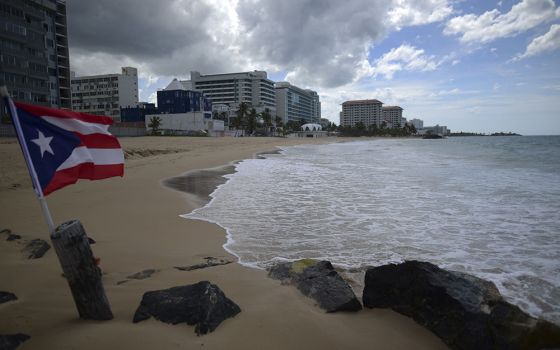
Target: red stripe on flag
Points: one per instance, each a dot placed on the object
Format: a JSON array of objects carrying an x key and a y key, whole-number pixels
[
  {"x": 61, "y": 113},
  {"x": 98, "y": 141},
  {"x": 90, "y": 171}
]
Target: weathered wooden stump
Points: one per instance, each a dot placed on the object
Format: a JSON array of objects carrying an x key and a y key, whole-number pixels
[{"x": 84, "y": 277}]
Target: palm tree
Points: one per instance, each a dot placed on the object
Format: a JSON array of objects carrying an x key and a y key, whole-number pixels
[
  {"x": 241, "y": 115},
  {"x": 267, "y": 119},
  {"x": 252, "y": 121},
  {"x": 155, "y": 123}
]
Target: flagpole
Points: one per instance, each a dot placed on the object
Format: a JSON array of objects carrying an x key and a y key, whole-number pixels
[{"x": 34, "y": 179}]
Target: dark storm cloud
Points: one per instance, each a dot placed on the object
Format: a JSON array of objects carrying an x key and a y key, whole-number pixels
[
  {"x": 319, "y": 43},
  {"x": 324, "y": 42},
  {"x": 161, "y": 37},
  {"x": 143, "y": 28}
]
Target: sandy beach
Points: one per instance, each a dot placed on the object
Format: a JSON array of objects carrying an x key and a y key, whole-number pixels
[{"x": 136, "y": 223}]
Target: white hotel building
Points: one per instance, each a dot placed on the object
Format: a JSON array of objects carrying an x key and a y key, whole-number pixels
[
  {"x": 105, "y": 94},
  {"x": 295, "y": 104},
  {"x": 231, "y": 89},
  {"x": 392, "y": 115},
  {"x": 366, "y": 111}
]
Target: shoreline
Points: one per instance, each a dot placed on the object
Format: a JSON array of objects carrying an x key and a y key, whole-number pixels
[{"x": 137, "y": 225}]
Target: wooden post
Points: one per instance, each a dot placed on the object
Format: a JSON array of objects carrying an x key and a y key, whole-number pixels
[{"x": 84, "y": 277}]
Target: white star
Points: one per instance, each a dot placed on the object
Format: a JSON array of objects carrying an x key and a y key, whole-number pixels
[{"x": 44, "y": 143}]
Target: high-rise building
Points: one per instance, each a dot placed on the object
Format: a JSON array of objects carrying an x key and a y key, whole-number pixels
[
  {"x": 393, "y": 116},
  {"x": 296, "y": 104},
  {"x": 368, "y": 112},
  {"x": 232, "y": 89},
  {"x": 105, "y": 94},
  {"x": 34, "y": 62},
  {"x": 418, "y": 123}
]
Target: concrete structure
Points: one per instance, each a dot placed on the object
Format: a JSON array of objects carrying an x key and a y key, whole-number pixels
[
  {"x": 368, "y": 112},
  {"x": 105, "y": 94},
  {"x": 186, "y": 123},
  {"x": 34, "y": 62},
  {"x": 418, "y": 123},
  {"x": 392, "y": 115},
  {"x": 232, "y": 89},
  {"x": 296, "y": 104},
  {"x": 183, "y": 112},
  {"x": 434, "y": 130},
  {"x": 310, "y": 130}
]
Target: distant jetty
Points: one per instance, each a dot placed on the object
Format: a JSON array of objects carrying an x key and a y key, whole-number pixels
[
  {"x": 505, "y": 134},
  {"x": 481, "y": 134}
]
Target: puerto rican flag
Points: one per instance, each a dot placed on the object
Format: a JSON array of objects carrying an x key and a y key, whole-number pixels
[{"x": 65, "y": 146}]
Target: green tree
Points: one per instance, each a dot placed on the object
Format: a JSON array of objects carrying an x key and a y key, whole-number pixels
[
  {"x": 240, "y": 120},
  {"x": 155, "y": 123},
  {"x": 251, "y": 121},
  {"x": 267, "y": 119}
]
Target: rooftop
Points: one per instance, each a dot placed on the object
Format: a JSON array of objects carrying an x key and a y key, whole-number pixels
[
  {"x": 361, "y": 102},
  {"x": 392, "y": 107}
]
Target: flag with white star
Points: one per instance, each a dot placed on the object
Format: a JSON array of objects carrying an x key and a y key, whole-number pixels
[{"x": 65, "y": 146}]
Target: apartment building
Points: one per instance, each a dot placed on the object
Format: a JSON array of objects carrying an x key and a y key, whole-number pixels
[
  {"x": 368, "y": 112},
  {"x": 105, "y": 94},
  {"x": 418, "y": 123},
  {"x": 392, "y": 115},
  {"x": 232, "y": 89},
  {"x": 296, "y": 104},
  {"x": 34, "y": 62}
]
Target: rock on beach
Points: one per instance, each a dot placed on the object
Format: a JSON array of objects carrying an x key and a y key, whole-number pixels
[
  {"x": 202, "y": 304},
  {"x": 319, "y": 281},
  {"x": 466, "y": 312}
]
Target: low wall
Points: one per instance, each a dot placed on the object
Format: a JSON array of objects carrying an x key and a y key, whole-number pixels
[
  {"x": 7, "y": 130},
  {"x": 120, "y": 131}
]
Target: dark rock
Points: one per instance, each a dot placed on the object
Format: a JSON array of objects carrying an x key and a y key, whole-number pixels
[
  {"x": 12, "y": 341},
  {"x": 210, "y": 262},
  {"x": 7, "y": 296},
  {"x": 202, "y": 304},
  {"x": 13, "y": 237},
  {"x": 466, "y": 312},
  {"x": 36, "y": 248},
  {"x": 143, "y": 274},
  {"x": 319, "y": 281}
]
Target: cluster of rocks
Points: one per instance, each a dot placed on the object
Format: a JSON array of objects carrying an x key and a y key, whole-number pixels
[
  {"x": 33, "y": 249},
  {"x": 466, "y": 312}
]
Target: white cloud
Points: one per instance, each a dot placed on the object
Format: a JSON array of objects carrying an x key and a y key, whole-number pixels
[
  {"x": 151, "y": 79},
  {"x": 404, "y": 57},
  {"x": 493, "y": 25},
  {"x": 153, "y": 97},
  {"x": 410, "y": 13},
  {"x": 544, "y": 43},
  {"x": 453, "y": 92}
]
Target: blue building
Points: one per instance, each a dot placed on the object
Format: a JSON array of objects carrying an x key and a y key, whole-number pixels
[
  {"x": 138, "y": 113},
  {"x": 176, "y": 99}
]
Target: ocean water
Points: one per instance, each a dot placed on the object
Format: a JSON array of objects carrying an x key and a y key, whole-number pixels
[{"x": 489, "y": 206}]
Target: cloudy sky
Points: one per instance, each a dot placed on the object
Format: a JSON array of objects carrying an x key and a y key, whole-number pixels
[{"x": 471, "y": 65}]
